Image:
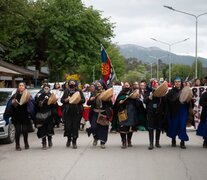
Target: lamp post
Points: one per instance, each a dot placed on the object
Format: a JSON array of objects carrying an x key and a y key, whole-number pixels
[
  {"x": 157, "y": 59},
  {"x": 169, "y": 51},
  {"x": 196, "y": 34}
]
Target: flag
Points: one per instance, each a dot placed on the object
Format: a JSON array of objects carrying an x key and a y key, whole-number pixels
[{"x": 107, "y": 70}]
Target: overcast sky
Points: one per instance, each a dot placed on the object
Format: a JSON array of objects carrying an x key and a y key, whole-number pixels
[{"x": 139, "y": 20}]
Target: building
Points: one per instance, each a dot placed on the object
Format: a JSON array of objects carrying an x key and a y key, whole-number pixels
[{"x": 11, "y": 74}]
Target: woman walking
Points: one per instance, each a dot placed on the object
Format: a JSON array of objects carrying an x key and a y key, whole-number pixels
[
  {"x": 127, "y": 114},
  {"x": 72, "y": 112},
  {"x": 177, "y": 115},
  {"x": 99, "y": 109},
  {"x": 44, "y": 117},
  {"x": 155, "y": 115},
  {"x": 20, "y": 112},
  {"x": 202, "y": 127}
]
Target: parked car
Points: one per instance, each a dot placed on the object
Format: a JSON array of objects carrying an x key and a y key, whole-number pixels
[{"x": 7, "y": 132}]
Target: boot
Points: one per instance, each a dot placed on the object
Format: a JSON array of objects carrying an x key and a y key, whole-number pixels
[
  {"x": 123, "y": 138},
  {"x": 26, "y": 145},
  {"x": 74, "y": 143},
  {"x": 88, "y": 130},
  {"x": 18, "y": 148},
  {"x": 151, "y": 139},
  {"x": 50, "y": 144},
  {"x": 129, "y": 137},
  {"x": 95, "y": 141},
  {"x": 44, "y": 146},
  {"x": 182, "y": 145},
  {"x": 103, "y": 145},
  {"x": 157, "y": 143},
  {"x": 173, "y": 142},
  {"x": 205, "y": 143},
  {"x": 68, "y": 142}
]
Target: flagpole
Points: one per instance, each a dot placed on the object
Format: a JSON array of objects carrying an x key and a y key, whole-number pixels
[{"x": 111, "y": 62}]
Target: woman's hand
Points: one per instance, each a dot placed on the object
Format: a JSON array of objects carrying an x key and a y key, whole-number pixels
[
  {"x": 121, "y": 102},
  {"x": 92, "y": 98}
]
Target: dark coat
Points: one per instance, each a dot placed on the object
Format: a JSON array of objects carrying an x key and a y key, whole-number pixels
[{"x": 203, "y": 103}]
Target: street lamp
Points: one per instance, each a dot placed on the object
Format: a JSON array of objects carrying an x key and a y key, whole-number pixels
[
  {"x": 196, "y": 36},
  {"x": 157, "y": 59},
  {"x": 169, "y": 51}
]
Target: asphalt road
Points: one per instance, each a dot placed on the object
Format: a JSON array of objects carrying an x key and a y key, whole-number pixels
[{"x": 113, "y": 163}]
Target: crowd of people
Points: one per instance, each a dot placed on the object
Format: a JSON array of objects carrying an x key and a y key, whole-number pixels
[{"x": 136, "y": 105}]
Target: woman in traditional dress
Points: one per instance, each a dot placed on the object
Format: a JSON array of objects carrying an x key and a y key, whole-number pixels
[
  {"x": 20, "y": 113},
  {"x": 58, "y": 105},
  {"x": 44, "y": 117},
  {"x": 72, "y": 113},
  {"x": 99, "y": 107},
  {"x": 202, "y": 127},
  {"x": 177, "y": 115},
  {"x": 129, "y": 106},
  {"x": 155, "y": 115}
]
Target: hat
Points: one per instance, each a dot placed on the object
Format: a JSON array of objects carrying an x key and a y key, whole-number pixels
[{"x": 177, "y": 78}]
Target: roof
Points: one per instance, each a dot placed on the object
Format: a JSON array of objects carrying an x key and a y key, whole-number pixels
[
  {"x": 8, "y": 72},
  {"x": 18, "y": 69}
]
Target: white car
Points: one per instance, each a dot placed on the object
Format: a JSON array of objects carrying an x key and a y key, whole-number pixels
[{"x": 7, "y": 132}]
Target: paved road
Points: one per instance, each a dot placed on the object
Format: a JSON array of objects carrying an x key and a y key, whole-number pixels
[{"x": 112, "y": 163}]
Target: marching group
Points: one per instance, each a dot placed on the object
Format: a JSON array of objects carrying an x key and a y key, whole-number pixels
[{"x": 137, "y": 104}]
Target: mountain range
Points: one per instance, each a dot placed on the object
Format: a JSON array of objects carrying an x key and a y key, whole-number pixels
[{"x": 150, "y": 54}]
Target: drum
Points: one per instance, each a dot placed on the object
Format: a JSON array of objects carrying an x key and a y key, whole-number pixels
[
  {"x": 25, "y": 97},
  {"x": 186, "y": 94},
  {"x": 161, "y": 90},
  {"x": 52, "y": 99},
  {"x": 135, "y": 94},
  {"x": 106, "y": 95},
  {"x": 75, "y": 98}
]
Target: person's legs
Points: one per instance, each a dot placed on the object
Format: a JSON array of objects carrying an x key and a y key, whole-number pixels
[
  {"x": 17, "y": 136},
  {"x": 129, "y": 139},
  {"x": 157, "y": 142},
  {"x": 151, "y": 139},
  {"x": 25, "y": 135}
]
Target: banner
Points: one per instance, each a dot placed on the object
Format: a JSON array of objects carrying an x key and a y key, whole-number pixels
[{"x": 197, "y": 92}]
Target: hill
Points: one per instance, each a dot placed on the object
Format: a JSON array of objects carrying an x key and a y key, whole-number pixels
[{"x": 143, "y": 54}]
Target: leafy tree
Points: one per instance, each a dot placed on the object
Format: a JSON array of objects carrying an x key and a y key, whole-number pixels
[{"x": 63, "y": 34}]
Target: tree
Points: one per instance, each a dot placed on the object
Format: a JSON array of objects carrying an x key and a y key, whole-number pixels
[
  {"x": 62, "y": 34},
  {"x": 183, "y": 71},
  {"x": 199, "y": 69}
]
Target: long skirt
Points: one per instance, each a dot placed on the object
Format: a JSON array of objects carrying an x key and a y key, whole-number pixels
[
  {"x": 46, "y": 129},
  {"x": 177, "y": 124},
  {"x": 71, "y": 125},
  {"x": 202, "y": 129},
  {"x": 99, "y": 132}
]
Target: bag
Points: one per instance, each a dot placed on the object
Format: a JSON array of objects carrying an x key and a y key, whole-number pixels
[
  {"x": 122, "y": 115},
  {"x": 40, "y": 117},
  {"x": 102, "y": 120}
]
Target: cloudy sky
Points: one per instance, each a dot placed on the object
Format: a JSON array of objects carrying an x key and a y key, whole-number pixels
[{"x": 139, "y": 20}]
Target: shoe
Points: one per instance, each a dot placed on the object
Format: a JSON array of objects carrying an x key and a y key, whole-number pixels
[
  {"x": 95, "y": 141},
  {"x": 50, "y": 144},
  {"x": 205, "y": 143},
  {"x": 103, "y": 145},
  {"x": 173, "y": 143},
  {"x": 18, "y": 148},
  {"x": 130, "y": 144},
  {"x": 44, "y": 147},
  {"x": 157, "y": 144},
  {"x": 88, "y": 131},
  {"x": 151, "y": 147},
  {"x": 26, "y": 146},
  {"x": 68, "y": 143},
  {"x": 74, "y": 145},
  {"x": 182, "y": 145},
  {"x": 124, "y": 146}
]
